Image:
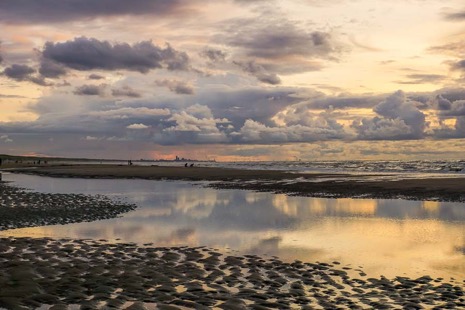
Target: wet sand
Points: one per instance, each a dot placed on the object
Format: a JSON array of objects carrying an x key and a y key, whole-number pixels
[
  {"x": 96, "y": 274},
  {"x": 21, "y": 208},
  {"x": 314, "y": 185}
]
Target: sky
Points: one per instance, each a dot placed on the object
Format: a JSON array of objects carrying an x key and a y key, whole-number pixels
[{"x": 233, "y": 80}]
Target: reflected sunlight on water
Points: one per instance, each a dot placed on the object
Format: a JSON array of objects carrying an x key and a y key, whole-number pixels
[{"x": 389, "y": 237}]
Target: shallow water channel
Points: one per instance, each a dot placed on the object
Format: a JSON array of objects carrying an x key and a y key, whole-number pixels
[{"x": 384, "y": 237}]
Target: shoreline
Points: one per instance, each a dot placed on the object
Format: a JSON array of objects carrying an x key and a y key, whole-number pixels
[{"x": 275, "y": 181}]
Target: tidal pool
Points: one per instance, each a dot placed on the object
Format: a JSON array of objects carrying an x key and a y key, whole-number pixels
[{"x": 385, "y": 237}]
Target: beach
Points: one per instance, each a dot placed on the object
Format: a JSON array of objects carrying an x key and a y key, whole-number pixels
[
  {"x": 97, "y": 273},
  {"x": 303, "y": 184}
]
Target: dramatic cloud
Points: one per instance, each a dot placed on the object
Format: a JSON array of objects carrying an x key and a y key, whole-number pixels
[
  {"x": 214, "y": 55},
  {"x": 459, "y": 65},
  {"x": 255, "y": 132},
  {"x": 460, "y": 15},
  {"x": 398, "y": 119},
  {"x": 259, "y": 72},
  {"x": 278, "y": 39},
  {"x": 342, "y": 102},
  {"x": 278, "y": 46},
  {"x": 23, "y": 73},
  {"x": 197, "y": 125},
  {"x": 423, "y": 79},
  {"x": 49, "y": 11},
  {"x": 453, "y": 49},
  {"x": 448, "y": 108},
  {"x": 90, "y": 90},
  {"x": 178, "y": 87},
  {"x": 452, "y": 94},
  {"x": 125, "y": 91},
  {"x": 140, "y": 114},
  {"x": 51, "y": 69},
  {"x": 19, "y": 72},
  {"x": 88, "y": 54},
  {"x": 11, "y": 96},
  {"x": 95, "y": 76},
  {"x": 442, "y": 103}
]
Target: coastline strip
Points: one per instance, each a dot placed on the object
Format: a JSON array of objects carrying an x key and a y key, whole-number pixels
[{"x": 301, "y": 184}]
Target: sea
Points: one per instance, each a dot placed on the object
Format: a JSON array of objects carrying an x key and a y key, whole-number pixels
[{"x": 415, "y": 167}]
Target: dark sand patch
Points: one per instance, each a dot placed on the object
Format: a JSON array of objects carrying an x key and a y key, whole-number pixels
[
  {"x": 312, "y": 185},
  {"x": 20, "y": 208},
  {"x": 93, "y": 274}
]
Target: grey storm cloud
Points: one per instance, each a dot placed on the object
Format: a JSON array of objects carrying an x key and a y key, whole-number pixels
[
  {"x": 95, "y": 76},
  {"x": 259, "y": 72},
  {"x": 460, "y": 15},
  {"x": 88, "y": 54},
  {"x": 254, "y": 116},
  {"x": 125, "y": 91},
  {"x": 90, "y": 90},
  {"x": 276, "y": 39},
  {"x": 458, "y": 131},
  {"x": 23, "y": 73},
  {"x": 450, "y": 104},
  {"x": 449, "y": 108},
  {"x": 175, "y": 86},
  {"x": 397, "y": 119},
  {"x": 51, "y": 69},
  {"x": 422, "y": 79},
  {"x": 453, "y": 49},
  {"x": 452, "y": 94},
  {"x": 255, "y": 132},
  {"x": 442, "y": 103},
  {"x": 49, "y": 11},
  {"x": 343, "y": 102},
  {"x": 214, "y": 55},
  {"x": 459, "y": 65},
  {"x": 18, "y": 72}
]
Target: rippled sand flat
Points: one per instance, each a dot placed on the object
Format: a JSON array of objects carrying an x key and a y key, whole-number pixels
[{"x": 94, "y": 274}]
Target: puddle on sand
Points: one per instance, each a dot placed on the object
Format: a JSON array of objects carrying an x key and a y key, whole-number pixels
[{"x": 386, "y": 237}]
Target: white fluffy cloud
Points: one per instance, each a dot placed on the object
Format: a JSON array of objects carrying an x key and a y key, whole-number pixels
[{"x": 137, "y": 126}]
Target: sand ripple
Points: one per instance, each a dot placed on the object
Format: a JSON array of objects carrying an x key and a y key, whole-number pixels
[
  {"x": 20, "y": 208},
  {"x": 63, "y": 274}
]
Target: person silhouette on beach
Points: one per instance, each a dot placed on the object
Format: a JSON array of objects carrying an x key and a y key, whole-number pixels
[
  {"x": 185, "y": 165},
  {"x": 192, "y": 165}
]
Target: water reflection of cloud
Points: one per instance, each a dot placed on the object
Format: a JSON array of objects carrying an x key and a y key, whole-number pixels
[
  {"x": 254, "y": 197},
  {"x": 179, "y": 236},
  {"x": 386, "y": 236},
  {"x": 274, "y": 246},
  {"x": 431, "y": 207},
  {"x": 198, "y": 204},
  {"x": 297, "y": 207}
]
